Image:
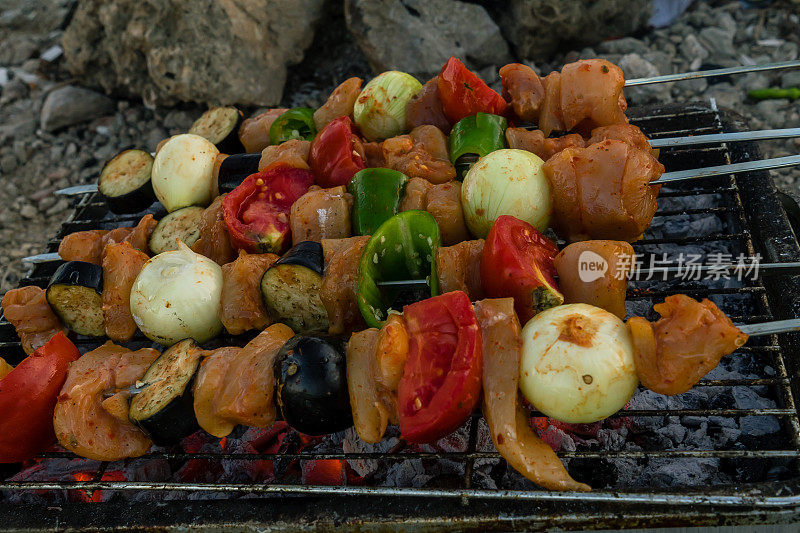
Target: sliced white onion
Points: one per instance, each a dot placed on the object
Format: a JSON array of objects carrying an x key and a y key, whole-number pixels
[
  {"x": 183, "y": 170},
  {"x": 577, "y": 363},
  {"x": 176, "y": 296}
]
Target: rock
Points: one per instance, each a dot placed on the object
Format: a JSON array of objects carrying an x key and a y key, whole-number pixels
[
  {"x": 14, "y": 90},
  {"x": 719, "y": 42},
  {"x": 202, "y": 51},
  {"x": 16, "y": 50},
  {"x": 28, "y": 211},
  {"x": 438, "y": 29},
  {"x": 635, "y": 66},
  {"x": 72, "y": 105},
  {"x": 791, "y": 79},
  {"x": 693, "y": 51},
  {"x": 42, "y": 16},
  {"x": 626, "y": 45},
  {"x": 537, "y": 28}
]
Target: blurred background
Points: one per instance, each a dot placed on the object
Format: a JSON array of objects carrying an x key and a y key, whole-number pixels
[{"x": 81, "y": 80}]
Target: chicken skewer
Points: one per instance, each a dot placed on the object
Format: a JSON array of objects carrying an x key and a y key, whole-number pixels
[{"x": 669, "y": 142}]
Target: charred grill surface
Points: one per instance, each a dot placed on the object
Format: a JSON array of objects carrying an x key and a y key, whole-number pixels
[{"x": 725, "y": 452}]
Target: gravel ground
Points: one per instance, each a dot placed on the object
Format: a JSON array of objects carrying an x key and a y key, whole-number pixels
[{"x": 34, "y": 162}]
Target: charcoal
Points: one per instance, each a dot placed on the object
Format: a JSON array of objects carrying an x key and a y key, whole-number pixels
[{"x": 755, "y": 426}]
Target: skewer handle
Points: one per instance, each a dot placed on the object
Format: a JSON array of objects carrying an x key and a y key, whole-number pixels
[
  {"x": 742, "y": 69},
  {"x": 735, "y": 168}
]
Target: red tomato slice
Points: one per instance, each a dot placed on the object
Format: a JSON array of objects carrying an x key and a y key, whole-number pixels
[
  {"x": 28, "y": 397},
  {"x": 518, "y": 262},
  {"x": 257, "y": 211},
  {"x": 336, "y": 153},
  {"x": 464, "y": 94},
  {"x": 441, "y": 383}
]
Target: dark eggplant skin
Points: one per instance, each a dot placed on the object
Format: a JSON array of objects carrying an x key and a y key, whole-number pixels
[
  {"x": 305, "y": 253},
  {"x": 134, "y": 201},
  {"x": 79, "y": 274},
  {"x": 312, "y": 386},
  {"x": 231, "y": 143},
  {"x": 235, "y": 168},
  {"x": 175, "y": 420}
]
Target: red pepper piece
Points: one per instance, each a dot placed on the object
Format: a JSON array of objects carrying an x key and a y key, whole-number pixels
[
  {"x": 28, "y": 397},
  {"x": 464, "y": 94},
  {"x": 336, "y": 153}
]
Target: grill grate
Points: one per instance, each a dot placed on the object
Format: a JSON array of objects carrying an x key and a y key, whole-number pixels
[{"x": 725, "y": 214}]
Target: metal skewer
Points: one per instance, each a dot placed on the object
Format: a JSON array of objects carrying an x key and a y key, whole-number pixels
[
  {"x": 734, "y": 168},
  {"x": 743, "y": 69}
]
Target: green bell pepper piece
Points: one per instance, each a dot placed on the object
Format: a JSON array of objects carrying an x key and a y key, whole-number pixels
[
  {"x": 376, "y": 197},
  {"x": 772, "y": 93},
  {"x": 404, "y": 247},
  {"x": 297, "y": 123},
  {"x": 479, "y": 134}
]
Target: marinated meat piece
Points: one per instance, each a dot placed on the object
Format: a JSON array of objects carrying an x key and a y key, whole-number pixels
[
  {"x": 603, "y": 191},
  {"x": 5, "y": 368},
  {"x": 116, "y": 235},
  {"x": 254, "y": 132},
  {"x": 459, "y": 268},
  {"x": 338, "y": 292},
  {"x": 416, "y": 195},
  {"x": 340, "y": 103},
  {"x": 241, "y": 304},
  {"x": 27, "y": 310},
  {"x": 373, "y": 153},
  {"x": 214, "y": 242},
  {"x": 686, "y": 343},
  {"x": 545, "y": 147},
  {"x": 292, "y": 153},
  {"x": 550, "y": 118},
  {"x": 83, "y": 246},
  {"x": 238, "y": 387},
  {"x": 524, "y": 89},
  {"x": 608, "y": 290},
  {"x": 121, "y": 264},
  {"x": 321, "y": 214},
  {"x": 392, "y": 354},
  {"x": 426, "y": 108},
  {"x": 444, "y": 203},
  {"x": 81, "y": 422},
  {"x": 622, "y": 132},
  {"x": 140, "y": 236},
  {"x": 370, "y": 415},
  {"x": 420, "y": 154},
  {"x": 506, "y": 417},
  {"x": 591, "y": 95}
]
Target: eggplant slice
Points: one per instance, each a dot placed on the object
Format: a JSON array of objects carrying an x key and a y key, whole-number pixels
[
  {"x": 75, "y": 295},
  {"x": 125, "y": 182},
  {"x": 312, "y": 386},
  {"x": 234, "y": 169},
  {"x": 164, "y": 409},
  {"x": 183, "y": 224},
  {"x": 291, "y": 289},
  {"x": 220, "y": 125}
]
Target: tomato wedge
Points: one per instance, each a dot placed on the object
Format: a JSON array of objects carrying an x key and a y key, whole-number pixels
[
  {"x": 518, "y": 262},
  {"x": 441, "y": 383},
  {"x": 257, "y": 211},
  {"x": 28, "y": 397},
  {"x": 464, "y": 94},
  {"x": 336, "y": 153}
]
